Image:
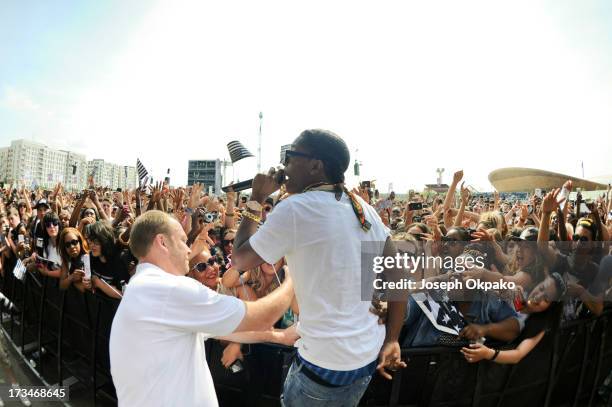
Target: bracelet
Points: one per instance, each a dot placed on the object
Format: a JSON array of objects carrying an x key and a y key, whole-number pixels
[
  {"x": 229, "y": 214},
  {"x": 123, "y": 241},
  {"x": 495, "y": 355},
  {"x": 249, "y": 215}
]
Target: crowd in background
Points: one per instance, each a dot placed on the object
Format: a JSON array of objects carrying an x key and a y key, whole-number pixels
[{"x": 555, "y": 250}]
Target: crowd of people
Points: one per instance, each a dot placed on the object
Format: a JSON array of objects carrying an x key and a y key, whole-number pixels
[{"x": 554, "y": 250}]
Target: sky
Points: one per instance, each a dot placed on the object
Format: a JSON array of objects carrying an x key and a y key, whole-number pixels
[{"x": 410, "y": 85}]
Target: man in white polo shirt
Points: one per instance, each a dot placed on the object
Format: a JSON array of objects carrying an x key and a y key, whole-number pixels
[
  {"x": 157, "y": 337},
  {"x": 319, "y": 229}
]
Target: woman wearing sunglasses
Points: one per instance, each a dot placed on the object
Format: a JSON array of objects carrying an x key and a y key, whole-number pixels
[
  {"x": 72, "y": 247},
  {"x": 52, "y": 228},
  {"x": 205, "y": 268}
]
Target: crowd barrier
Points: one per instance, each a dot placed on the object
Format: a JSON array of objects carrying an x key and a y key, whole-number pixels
[{"x": 65, "y": 335}]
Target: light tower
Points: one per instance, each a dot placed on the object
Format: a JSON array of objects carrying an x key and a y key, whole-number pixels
[{"x": 439, "y": 171}]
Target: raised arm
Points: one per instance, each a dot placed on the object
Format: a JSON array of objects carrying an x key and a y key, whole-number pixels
[{"x": 450, "y": 195}]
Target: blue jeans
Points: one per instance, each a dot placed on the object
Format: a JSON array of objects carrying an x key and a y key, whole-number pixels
[{"x": 300, "y": 391}]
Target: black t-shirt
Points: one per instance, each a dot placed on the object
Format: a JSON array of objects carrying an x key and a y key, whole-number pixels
[
  {"x": 113, "y": 272},
  {"x": 16, "y": 232},
  {"x": 585, "y": 275},
  {"x": 541, "y": 321}
]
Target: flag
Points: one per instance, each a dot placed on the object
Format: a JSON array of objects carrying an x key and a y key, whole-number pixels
[
  {"x": 125, "y": 171},
  {"x": 444, "y": 316},
  {"x": 19, "y": 270},
  {"x": 74, "y": 168},
  {"x": 142, "y": 171},
  {"x": 238, "y": 151}
]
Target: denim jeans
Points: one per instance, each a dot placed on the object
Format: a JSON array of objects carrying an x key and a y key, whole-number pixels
[{"x": 300, "y": 391}]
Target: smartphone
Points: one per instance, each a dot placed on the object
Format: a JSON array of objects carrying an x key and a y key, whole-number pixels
[
  {"x": 584, "y": 209},
  {"x": 365, "y": 184},
  {"x": 563, "y": 194},
  {"x": 237, "y": 366},
  {"x": 415, "y": 206},
  {"x": 86, "y": 267},
  {"x": 530, "y": 209},
  {"x": 20, "y": 238}
]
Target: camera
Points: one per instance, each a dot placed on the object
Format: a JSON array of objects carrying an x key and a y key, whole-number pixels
[{"x": 210, "y": 217}]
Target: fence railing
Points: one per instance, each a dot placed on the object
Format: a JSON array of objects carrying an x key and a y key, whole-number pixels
[{"x": 72, "y": 330}]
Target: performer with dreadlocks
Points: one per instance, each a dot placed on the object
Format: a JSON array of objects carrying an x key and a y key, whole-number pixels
[{"x": 319, "y": 229}]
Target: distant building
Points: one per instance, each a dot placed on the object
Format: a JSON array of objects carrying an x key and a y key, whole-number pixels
[
  {"x": 112, "y": 175},
  {"x": 530, "y": 179},
  {"x": 35, "y": 164},
  {"x": 439, "y": 188},
  {"x": 210, "y": 173},
  {"x": 38, "y": 165}
]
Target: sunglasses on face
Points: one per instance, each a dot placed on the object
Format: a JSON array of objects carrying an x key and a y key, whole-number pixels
[
  {"x": 52, "y": 223},
  {"x": 226, "y": 242},
  {"x": 291, "y": 153},
  {"x": 200, "y": 267},
  {"x": 74, "y": 242},
  {"x": 577, "y": 238},
  {"x": 267, "y": 208}
]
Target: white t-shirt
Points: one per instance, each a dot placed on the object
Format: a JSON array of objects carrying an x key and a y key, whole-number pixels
[
  {"x": 53, "y": 254},
  {"x": 321, "y": 240},
  {"x": 157, "y": 339}
]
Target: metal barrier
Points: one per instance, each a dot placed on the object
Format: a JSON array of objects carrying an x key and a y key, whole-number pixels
[{"x": 567, "y": 367}]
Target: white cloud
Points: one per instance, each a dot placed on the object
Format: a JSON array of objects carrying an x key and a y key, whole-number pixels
[{"x": 18, "y": 100}]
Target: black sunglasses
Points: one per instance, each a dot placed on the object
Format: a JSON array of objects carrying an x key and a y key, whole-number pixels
[
  {"x": 53, "y": 222},
  {"x": 226, "y": 242},
  {"x": 576, "y": 238},
  {"x": 73, "y": 242},
  {"x": 291, "y": 153},
  {"x": 200, "y": 267}
]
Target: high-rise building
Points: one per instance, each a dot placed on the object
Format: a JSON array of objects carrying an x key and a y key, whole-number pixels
[
  {"x": 75, "y": 176},
  {"x": 210, "y": 173},
  {"x": 3, "y": 163},
  {"x": 112, "y": 175},
  {"x": 37, "y": 165}
]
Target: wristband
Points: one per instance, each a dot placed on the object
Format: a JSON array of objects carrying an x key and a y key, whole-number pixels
[{"x": 495, "y": 355}]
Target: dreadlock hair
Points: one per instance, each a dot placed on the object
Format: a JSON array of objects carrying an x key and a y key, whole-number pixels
[{"x": 329, "y": 148}]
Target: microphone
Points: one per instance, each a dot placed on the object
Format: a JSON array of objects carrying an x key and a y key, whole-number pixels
[{"x": 248, "y": 184}]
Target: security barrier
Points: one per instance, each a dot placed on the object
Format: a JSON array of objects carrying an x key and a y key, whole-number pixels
[{"x": 72, "y": 330}]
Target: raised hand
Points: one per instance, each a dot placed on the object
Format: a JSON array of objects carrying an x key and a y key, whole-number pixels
[
  {"x": 194, "y": 197},
  {"x": 457, "y": 176},
  {"x": 549, "y": 203},
  {"x": 465, "y": 195}
]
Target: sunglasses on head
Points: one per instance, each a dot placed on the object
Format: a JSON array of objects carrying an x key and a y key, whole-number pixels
[
  {"x": 53, "y": 222},
  {"x": 200, "y": 267},
  {"x": 73, "y": 242},
  {"x": 291, "y": 153},
  {"x": 576, "y": 238}
]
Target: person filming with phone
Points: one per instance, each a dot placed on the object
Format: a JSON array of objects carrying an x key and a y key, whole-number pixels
[{"x": 319, "y": 229}]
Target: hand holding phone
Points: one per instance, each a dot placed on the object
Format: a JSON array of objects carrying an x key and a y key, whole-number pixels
[{"x": 415, "y": 206}]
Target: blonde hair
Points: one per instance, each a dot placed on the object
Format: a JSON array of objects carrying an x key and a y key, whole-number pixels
[
  {"x": 144, "y": 230},
  {"x": 494, "y": 220}
]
